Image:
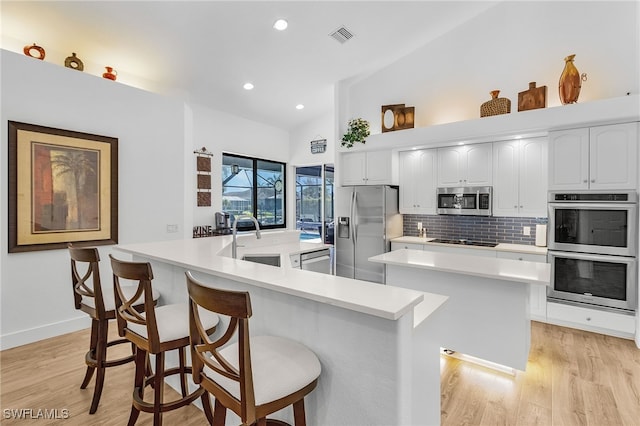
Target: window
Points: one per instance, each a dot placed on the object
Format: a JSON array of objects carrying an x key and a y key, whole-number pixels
[{"x": 256, "y": 187}]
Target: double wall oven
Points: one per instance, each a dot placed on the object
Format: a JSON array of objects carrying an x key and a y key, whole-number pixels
[{"x": 593, "y": 248}]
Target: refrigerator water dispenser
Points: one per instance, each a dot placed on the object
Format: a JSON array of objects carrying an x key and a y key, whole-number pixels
[{"x": 343, "y": 227}]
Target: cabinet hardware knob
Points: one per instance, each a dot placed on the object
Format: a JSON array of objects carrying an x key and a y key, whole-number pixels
[
  {"x": 588, "y": 318},
  {"x": 585, "y": 181},
  {"x": 520, "y": 206},
  {"x": 515, "y": 207},
  {"x": 593, "y": 180}
]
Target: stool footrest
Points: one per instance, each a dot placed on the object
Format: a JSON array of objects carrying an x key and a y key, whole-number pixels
[{"x": 148, "y": 407}]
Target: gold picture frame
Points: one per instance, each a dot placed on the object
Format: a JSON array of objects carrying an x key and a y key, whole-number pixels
[{"x": 63, "y": 187}]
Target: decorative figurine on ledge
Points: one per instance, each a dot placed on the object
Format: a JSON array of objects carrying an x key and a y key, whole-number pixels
[
  {"x": 397, "y": 117},
  {"x": 495, "y": 106},
  {"x": 34, "y": 51},
  {"x": 534, "y": 98}
]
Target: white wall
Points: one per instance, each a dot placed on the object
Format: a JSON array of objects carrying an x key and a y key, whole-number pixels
[
  {"x": 505, "y": 48},
  {"x": 36, "y": 297},
  {"x": 322, "y": 127},
  {"x": 222, "y": 132},
  {"x": 157, "y": 136}
]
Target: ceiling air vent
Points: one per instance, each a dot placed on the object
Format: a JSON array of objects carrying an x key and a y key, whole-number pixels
[{"x": 342, "y": 35}]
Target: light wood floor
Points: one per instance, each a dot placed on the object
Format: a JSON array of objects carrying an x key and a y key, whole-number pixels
[{"x": 572, "y": 378}]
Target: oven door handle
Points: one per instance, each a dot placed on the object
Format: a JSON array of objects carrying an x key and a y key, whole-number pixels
[{"x": 593, "y": 257}]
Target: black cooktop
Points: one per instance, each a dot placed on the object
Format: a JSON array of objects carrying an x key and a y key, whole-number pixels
[{"x": 463, "y": 242}]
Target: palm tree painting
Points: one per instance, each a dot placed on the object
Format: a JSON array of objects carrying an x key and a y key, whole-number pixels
[{"x": 68, "y": 182}]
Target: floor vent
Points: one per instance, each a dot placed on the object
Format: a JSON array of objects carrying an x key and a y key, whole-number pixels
[{"x": 342, "y": 35}]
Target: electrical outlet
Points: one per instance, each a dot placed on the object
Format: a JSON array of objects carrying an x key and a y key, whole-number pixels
[
  {"x": 172, "y": 228},
  {"x": 526, "y": 230},
  {"x": 419, "y": 225}
]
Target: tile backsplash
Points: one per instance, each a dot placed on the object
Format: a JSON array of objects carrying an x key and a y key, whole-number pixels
[{"x": 478, "y": 228}]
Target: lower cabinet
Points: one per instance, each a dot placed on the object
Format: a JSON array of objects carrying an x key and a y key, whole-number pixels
[
  {"x": 400, "y": 246},
  {"x": 537, "y": 293},
  {"x": 598, "y": 321}
]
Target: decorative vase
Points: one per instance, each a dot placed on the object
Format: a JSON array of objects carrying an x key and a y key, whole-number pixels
[
  {"x": 570, "y": 82},
  {"x": 74, "y": 62},
  {"x": 495, "y": 106},
  {"x": 111, "y": 74},
  {"x": 34, "y": 48}
]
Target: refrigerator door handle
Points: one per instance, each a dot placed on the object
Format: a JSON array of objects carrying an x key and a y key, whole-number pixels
[{"x": 354, "y": 215}]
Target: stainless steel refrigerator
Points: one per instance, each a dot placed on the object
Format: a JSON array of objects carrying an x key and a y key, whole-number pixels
[{"x": 367, "y": 220}]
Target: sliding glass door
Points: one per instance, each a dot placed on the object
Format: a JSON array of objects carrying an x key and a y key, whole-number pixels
[{"x": 314, "y": 202}]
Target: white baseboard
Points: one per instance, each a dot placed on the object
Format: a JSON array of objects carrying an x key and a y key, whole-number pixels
[{"x": 23, "y": 337}]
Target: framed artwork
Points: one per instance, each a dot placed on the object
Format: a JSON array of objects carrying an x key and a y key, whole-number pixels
[{"x": 63, "y": 187}]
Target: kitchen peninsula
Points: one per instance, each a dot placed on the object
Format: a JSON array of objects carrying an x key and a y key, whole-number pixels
[
  {"x": 487, "y": 315},
  {"x": 377, "y": 344}
]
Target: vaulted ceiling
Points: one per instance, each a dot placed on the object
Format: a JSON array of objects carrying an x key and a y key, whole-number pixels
[{"x": 205, "y": 51}]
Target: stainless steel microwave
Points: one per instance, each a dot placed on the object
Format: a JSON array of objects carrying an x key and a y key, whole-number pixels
[{"x": 467, "y": 200}]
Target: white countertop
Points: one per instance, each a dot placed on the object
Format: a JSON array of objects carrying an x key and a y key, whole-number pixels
[
  {"x": 212, "y": 256},
  {"x": 518, "y": 248},
  {"x": 487, "y": 267}
]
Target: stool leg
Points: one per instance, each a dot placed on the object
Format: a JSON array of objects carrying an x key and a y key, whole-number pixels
[
  {"x": 138, "y": 383},
  {"x": 219, "y": 414},
  {"x": 92, "y": 350},
  {"x": 299, "y": 418},
  {"x": 206, "y": 405},
  {"x": 183, "y": 372},
  {"x": 101, "y": 358},
  {"x": 158, "y": 389}
]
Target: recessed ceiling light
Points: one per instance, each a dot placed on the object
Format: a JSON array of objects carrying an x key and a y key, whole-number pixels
[
  {"x": 280, "y": 25},
  {"x": 248, "y": 86},
  {"x": 299, "y": 106}
]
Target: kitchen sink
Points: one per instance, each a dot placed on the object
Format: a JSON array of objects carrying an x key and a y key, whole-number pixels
[{"x": 265, "y": 259}]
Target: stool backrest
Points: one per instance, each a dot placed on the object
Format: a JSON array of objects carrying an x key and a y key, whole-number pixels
[
  {"x": 87, "y": 257},
  {"x": 236, "y": 305},
  {"x": 141, "y": 274}
]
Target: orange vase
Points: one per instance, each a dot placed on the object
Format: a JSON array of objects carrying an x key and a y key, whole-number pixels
[
  {"x": 111, "y": 74},
  {"x": 570, "y": 82}
]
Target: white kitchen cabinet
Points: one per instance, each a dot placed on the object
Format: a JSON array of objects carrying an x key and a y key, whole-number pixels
[
  {"x": 599, "y": 321},
  {"x": 465, "y": 165},
  {"x": 369, "y": 168},
  {"x": 410, "y": 246},
  {"x": 601, "y": 157},
  {"x": 418, "y": 181},
  {"x": 520, "y": 177},
  {"x": 537, "y": 293}
]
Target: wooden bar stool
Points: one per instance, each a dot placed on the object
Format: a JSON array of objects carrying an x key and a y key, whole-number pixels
[
  {"x": 100, "y": 306},
  {"x": 255, "y": 376},
  {"x": 155, "y": 331}
]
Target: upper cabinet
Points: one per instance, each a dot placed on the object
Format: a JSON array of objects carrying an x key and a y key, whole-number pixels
[
  {"x": 369, "y": 168},
  {"x": 466, "y": 165},
  {"x": 418, "y": 181},
  {"x": 520, "y": 177},
  {"x": 602, "y": 157}
]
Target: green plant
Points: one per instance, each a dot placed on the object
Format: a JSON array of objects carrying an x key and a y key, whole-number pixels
[{"x": 358, "y": 131}]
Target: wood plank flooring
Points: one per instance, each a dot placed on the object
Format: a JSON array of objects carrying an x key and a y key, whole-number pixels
[{"x": 573, "y": 378}]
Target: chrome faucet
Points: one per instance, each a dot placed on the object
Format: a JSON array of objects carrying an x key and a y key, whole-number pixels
[{"x": 234, "y": 244}]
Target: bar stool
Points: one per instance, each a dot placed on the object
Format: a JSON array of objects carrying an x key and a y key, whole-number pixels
[
  {"x": 156, "y": 331},
  {"x": 255, "y": 376},
  {"x": 89, "y": 298}
]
